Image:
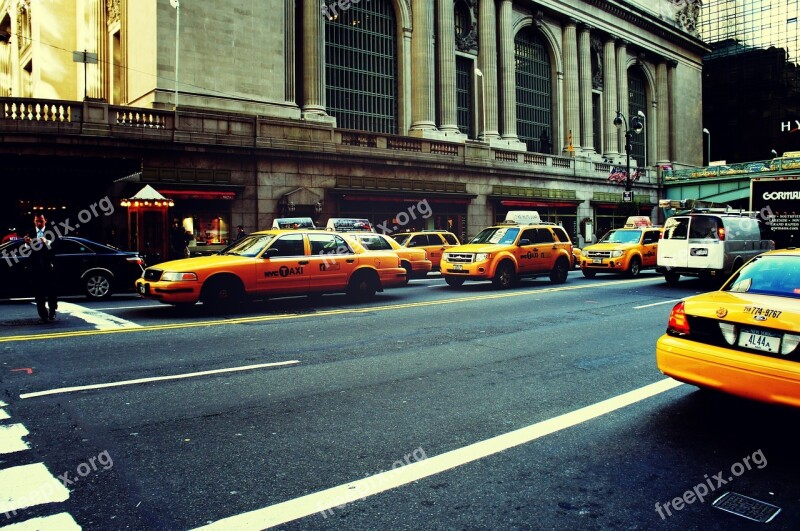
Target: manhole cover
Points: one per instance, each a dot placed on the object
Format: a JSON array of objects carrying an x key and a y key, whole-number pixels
[{"x": 747, "y": 507}]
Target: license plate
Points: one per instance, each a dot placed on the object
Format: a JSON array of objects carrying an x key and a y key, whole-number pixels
[
  {"x": 458, "y": 267},
  {"x": 597, "y": 261},
  {"x": 760, "y": 340},
  {"x": 142, "y": 289}
]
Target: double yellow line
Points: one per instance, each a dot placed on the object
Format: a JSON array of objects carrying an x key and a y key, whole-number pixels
[{"x": 323, "y": 313}]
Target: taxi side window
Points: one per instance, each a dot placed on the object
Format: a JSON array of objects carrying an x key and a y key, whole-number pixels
[
  {"x": 650, "y": 236},
  {"x": 289, "y": 245},
  {"x": 561, "y": 235},
  {"x": 322, "y": 244},
  {"x": 420, "y": 240},
  {"x": 544, "y": 236},
  {"x": 450, "y": 239},
  {"x": 529, "y": 234}
]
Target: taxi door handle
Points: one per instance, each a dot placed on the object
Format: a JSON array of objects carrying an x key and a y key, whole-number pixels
[
  {"x": 350, "y": 260},
  {"x": 303, "y": 262},
  {"x": 555, "y": 246}
]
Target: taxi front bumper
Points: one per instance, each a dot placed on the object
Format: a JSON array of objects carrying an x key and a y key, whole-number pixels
[
  {"x": 169, "y": 292},
  {"x": 604, "y": 264},
  {"x": 477, "y": 270},
  {"x": 751, "y": 376}
]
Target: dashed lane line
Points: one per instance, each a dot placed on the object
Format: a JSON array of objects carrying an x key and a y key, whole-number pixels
[
  {"x": 323, "y": 313},
  {"x": 297, "y": 508}
]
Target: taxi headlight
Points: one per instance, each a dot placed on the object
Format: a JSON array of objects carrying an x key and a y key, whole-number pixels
[
  {"x": 789, "y": 343},
  {"x": 617, "y": 254},
  {"x": 170, "y": 276},
  {"x": 482, "y": 257}
]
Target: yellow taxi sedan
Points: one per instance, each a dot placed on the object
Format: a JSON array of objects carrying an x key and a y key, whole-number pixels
[
  {"x": 414, "y": 261},
  {"x": 742, "y": 339},
  {"x": 274, "y": 263}
]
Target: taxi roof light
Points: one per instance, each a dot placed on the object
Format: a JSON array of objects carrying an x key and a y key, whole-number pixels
[{"x": 678, "y": 323}]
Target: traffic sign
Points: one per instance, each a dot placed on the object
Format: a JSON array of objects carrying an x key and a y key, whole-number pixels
[{"x": 627, "y": 196}]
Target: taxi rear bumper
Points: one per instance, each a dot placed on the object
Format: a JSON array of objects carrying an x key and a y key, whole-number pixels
[{"x": 391, "y": 277}]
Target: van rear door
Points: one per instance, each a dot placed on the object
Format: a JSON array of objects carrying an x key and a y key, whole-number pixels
[
  {"x": 706, "y": 250},
  {"x": 673, "y": 247}
]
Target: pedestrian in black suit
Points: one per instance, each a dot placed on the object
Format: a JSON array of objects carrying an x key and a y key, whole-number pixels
[{"x": 42, "y": 268}]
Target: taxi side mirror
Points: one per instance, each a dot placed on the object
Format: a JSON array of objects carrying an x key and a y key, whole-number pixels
[{"x": 524, "y": 241}]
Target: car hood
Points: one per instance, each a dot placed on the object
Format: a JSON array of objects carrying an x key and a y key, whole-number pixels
[
  {"x": 747, "y": 308},
  {"x": 609, "y": 246},
  {"x": 479, "y": 248},
  {"x": 202, "y": 262}
]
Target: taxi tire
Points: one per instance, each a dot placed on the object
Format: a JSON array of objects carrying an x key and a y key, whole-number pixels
[
  {"x": 409, "y": 272},
  {"x": 560, "y": 271},
  {"x": 588, "y": 273},
  {"x": 634, "y": 268},
  {"x": 454, "y": 281},
  {"x": 672, "y": 278},
  {"x": 222, "y": 293},
  {"x": 504, "y": 277},
  {"x": 362, "y": 286}
]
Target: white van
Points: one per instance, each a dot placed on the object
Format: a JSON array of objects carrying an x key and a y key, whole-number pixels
[
  {"x": 523, "y": 217},
  {"x": 711, "y": 246}
]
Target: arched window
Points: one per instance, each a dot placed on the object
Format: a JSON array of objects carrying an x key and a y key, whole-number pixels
[
  {"x": 463, "y": 20},
  {"x": 361, "y": 67},
  {"x": 534, "y": 91},
  {"x": 637, "y": 101}
]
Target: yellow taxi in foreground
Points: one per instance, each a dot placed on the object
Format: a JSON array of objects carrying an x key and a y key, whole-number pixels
[
  {"x": 742, "y": 339},
  {"x": 414, "y": 261},
  {"x": 274, "y": 263}
]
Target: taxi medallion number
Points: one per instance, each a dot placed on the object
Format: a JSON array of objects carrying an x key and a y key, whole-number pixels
[{"x": 760, "y": 340}]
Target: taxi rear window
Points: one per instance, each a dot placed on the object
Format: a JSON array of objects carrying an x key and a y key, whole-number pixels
[
  {"x": 676, "y": 229},
  {"x": 768, "y": 275}
]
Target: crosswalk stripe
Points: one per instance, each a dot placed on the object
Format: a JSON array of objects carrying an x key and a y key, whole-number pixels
[
  {"x": 3, "y": 404},
  {"x": 4, "y": 415},
  {"x": 57, "y": 522},
  {"x": 11, "y": 438},
  {"x": 29, "y": 485},
  {"x": 102, "y": 321}
]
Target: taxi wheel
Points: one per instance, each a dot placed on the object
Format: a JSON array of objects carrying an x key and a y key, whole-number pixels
[
  {"x": 560, "y": 271},
  {"x": 362, "y": 286},
  {"x": 634, "y": 268},
  {"x": 97, "y": 285},
  {"x": 588, "y": 273},
  {"x": 672, "y": 278},
  {"x": 222, "y": 293},
  {"x": 504, "y": 277},
  {"x": 454, "y": 281},
  {"x": 409, "y": 272}
]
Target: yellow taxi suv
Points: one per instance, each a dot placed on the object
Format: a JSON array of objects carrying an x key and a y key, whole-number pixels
[
  {"x": 414, "y": 261},
  {"x": 623, "y": 251},
  {"x": 433, "y": 242},
  {"x": 274, "y": 263},
  {"x": 507, "y": 252},
  {"x": 742, "y": 339}
]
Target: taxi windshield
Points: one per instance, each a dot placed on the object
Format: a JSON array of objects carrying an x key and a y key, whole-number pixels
[
  {"x": 622, "y": 236},
  {"x": 249, "y": 246},
  {"x": 768, "y": 275},
  {"x": 498, "y": 235}
]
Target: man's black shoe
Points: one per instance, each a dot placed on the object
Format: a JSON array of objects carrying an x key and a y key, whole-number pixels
[{"x": 52, "y": 315}]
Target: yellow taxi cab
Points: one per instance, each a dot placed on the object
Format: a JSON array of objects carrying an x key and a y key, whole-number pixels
[
  {"x": 506, "y": 252},
  {"x": 414, "y": 261},
  {"x": 274, "y": 263},
  {"x": 742, "y": 339},
  {"x": 434, "y": 242},
  {"x": 628, "y": 250}
]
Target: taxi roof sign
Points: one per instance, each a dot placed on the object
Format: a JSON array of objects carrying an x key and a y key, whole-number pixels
[
  {"x": 635, "y": 222},
  {"x": 349, "y": 225}
]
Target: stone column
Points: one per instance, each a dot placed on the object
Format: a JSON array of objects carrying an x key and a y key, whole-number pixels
[
  {"x": 422, "y": 73},
  {"x": 662, "y": 153},
  {"x": 289, "y": 94},
  {"x": 446, "y": 47},
  {"x": 313, "y": 61},
  {"x": 508, "y": 72},
  {"x": 572, "y": 118},
  {"x": 610, "y": 143},
  {"x": 673, "y": 106},
  {"x": 622, "y": 90},
  {"x": 585, "y": 75},
  {"x": 487, "y": 62}
]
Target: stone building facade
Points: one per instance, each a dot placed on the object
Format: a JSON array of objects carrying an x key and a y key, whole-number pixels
[{"x": 363, "y": 108}]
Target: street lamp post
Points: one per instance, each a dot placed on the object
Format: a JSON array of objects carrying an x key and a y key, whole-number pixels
[
  {"x": 644, "y": 125},
  {"x": 706, "y": 131},
  {"x": 483, "y": 102},
  {"x": 636, "y": 126}
]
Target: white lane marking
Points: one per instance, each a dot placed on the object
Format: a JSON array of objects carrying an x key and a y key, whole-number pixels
[
  {"x": 656, "y": 304},
  {"x": 290, "y": 510},
  {"x": 100, "y": 320},
  {"x": 156, "y": 379},
  {"x": 3, "y": 404},
  {"x": 57, "y": 522},
  {"x": 131, "y": 307},
  {"x": 4, "y": 415},
  {"x": 11, "y": 439},
  {"x": 29, "y": 485}
]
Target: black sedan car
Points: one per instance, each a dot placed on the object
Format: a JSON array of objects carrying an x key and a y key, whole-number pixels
[{"x": 82, "y": 267}]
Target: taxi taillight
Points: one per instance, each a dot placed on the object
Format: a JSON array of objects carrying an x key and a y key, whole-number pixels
[{"x": 678, "y": 323}]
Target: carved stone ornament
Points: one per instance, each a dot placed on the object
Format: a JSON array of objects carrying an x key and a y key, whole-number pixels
[
  {"x": 687, "y": 15},
  {"x": 112, "y": 9},
  {"x": 468, "y": 41},
  {"x": 597, "y": 63}
]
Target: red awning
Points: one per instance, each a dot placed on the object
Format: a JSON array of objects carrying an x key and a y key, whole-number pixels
[
  {"x": 541, "y": 204},
  {"x": 198, "y": 194}
]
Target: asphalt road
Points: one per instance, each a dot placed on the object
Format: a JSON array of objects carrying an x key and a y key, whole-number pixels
[{"x": 427, "y": 408}]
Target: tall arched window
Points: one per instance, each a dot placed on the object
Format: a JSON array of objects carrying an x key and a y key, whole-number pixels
[
  {"x": 534, "y": 91},
  {"x": 361, "y": 67},
  {"x": 637, "y": 101}
]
